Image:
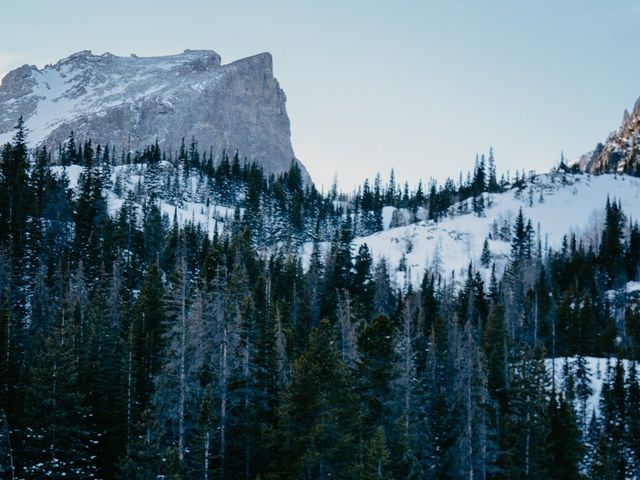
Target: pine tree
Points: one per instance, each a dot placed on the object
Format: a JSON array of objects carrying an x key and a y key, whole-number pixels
[
  {"x": 362, "y": 278},
  {"x": 613, "y": 410},
  {"x": 407, "y": 394},
  {"x": 57, "y": 445},
  {"x": 611, "y": 248},
  {"x": 601, "y": 467},
  {"x": 376, "y": 372},
  {"x": 583, "y": 389},
  {"x": 102, "y": 380},
  {"x": 7, "y": 466},
  {"x": 472, "y": 450},
  {"x": 485, "y": 257},
  {"x": 146, "y": 338},
  {"x": 90, "y": 213},
  {"x": 320, "y": 415},
  {"x": 204, "y": 436},
  {"x": 525, "y": 450},
  {"x": 496, "y": 354},
  {"x": 12, "y": 338},
  {"x": 338, "y": 269},
  {"x": 153, "y": 173},
  {"x": 376, "y": 458},
  {"x": 70, "y": 154},
  {"x": 15, "y": 197},
  {"x": 563, "y": 441},
  {"x": 632, "y": 416},
  {"x": 144, "y": 454},
  {"x": 438, "y": 463},
  {"x": 347, "y": 337},
  {"x": 383, "y": 297},
  {"x": 172, "y": 394},
  {"x": 632, "y": 257}
]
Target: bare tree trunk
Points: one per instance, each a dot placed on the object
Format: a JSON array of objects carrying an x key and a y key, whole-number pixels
[
  {"x": 483, "y": 437},
  {"x": 6, "y": 432},
  {"x": 553, "y": 352},
  {"x": 183, "y": 347},
  {"x": 527, "y": 445},
  {"x": 245, "y": 368},
  {"x": 129, "y": 384},
  {"x": 223, "y": 401},
  {"x": 348, "y": 350},
  {"x": 408, "y": 361},
  {"x": 207, "y": 440},
  {"x": 470, "y": 426},
  {"x": 54, "y": 389},
  {"x": 53, "y": 427},
  {"x": 281, "y": 354},
  {"x": 8, "y": 355},
  {"x": 535, "y": 322}
]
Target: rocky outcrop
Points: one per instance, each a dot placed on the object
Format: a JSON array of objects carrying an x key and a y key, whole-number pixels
[
  {"x": 131, "y": 101},
  {"x": 619, "y": 153}
]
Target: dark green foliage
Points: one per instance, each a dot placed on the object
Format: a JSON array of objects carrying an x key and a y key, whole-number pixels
[
  {"x": 145, "y": 336},
  {"x": 526, "y": 424},
  {"x": 611, "y": 247},
  {"x": 376, "y": 458},
  {"x": 375, "y": 372},
  {"x": 320, "y": 415},
  {"x": 485, "y": 257},
  {"x": 58, "y": 439},
  {"x": 495, "y": 350},
  {"x": 563, "y": 441},
  {"x": 143, "y": 345}
]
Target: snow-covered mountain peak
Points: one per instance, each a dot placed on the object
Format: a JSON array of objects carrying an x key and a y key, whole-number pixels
[
  {"x": 130, "y": 101},
  {"x": 85, "y": 59}
]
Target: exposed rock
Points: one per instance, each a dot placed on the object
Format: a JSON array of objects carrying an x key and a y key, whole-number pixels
[
  {"x": 619, "y": 153},
  {"x": 129, "y": 101}
]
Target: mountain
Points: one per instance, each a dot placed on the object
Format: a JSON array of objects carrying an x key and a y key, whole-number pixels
[
  {"x": 619, "y": 153},
  {"x": 131, "y": 101},
  {"x": 201, "y": 320}
]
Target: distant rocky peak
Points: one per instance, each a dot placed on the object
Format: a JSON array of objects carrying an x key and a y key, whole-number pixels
[{"x": 619, "y": 152}]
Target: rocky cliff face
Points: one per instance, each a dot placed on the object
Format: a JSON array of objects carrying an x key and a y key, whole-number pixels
[
  {"x": 619, "y": 153},
  {"x": 131, "y": 101}
]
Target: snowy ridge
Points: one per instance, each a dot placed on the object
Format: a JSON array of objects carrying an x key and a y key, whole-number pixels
[
  {"x": 569, "y": 204},
  {"x": 84, "y": 84}
]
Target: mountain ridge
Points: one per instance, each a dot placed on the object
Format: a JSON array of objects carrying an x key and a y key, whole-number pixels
[{"x": 132, "y": 101}]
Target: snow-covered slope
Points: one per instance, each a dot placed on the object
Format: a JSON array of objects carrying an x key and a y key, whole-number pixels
[
  {"x": 207, "y": 214},
  {"x": 557, "y": 205},
  {"x": 563, "y": 370},
  {"x": 569, "y": 204},
  {"x": 131, "y": 101}
]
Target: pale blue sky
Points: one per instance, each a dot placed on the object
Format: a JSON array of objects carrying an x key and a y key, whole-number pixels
[{"x": 420, "y": 86}]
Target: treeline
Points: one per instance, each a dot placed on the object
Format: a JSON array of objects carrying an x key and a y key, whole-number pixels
[
  {"x": 135, "y": 348},
  {"x": 283, "y": 209}
]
